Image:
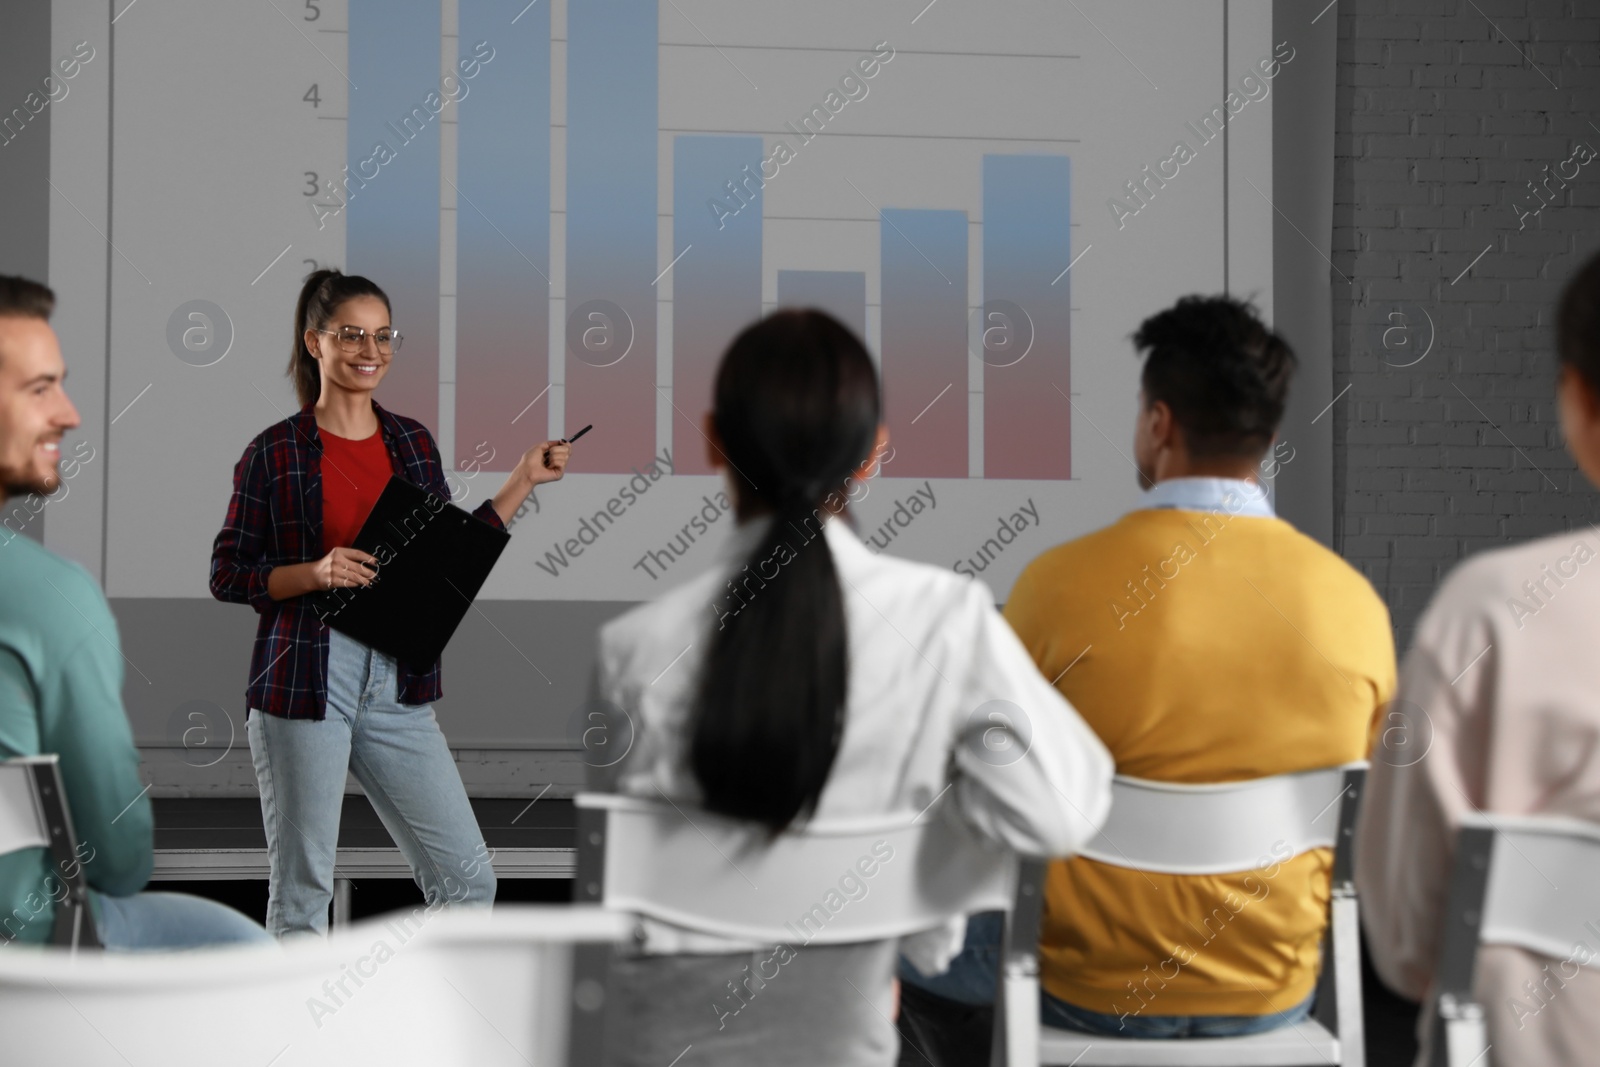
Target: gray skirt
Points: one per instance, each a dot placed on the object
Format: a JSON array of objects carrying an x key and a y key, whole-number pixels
[{"x": 780, "y": 1006}]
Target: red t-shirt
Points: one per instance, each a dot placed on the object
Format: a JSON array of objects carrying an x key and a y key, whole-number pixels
[{"x": 353, "y": 476}]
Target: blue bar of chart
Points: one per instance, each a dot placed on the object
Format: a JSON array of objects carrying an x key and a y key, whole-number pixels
[
  {"x": 1027, "y": 307},
  {"x": 924, "y": 342},
  {"x": 716, "y": 284},
  {"x": 503, "y": 232},
  {"x": 841, "y": 293},
  {"x": 392, "y": 213},
  {"x": 611, "y": 231}
]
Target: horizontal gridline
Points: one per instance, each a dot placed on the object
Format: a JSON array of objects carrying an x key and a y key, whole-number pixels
[{"x": 843, "y": 133}]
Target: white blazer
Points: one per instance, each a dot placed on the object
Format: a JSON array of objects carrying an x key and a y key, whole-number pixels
[{"x": 935, "y": 676}]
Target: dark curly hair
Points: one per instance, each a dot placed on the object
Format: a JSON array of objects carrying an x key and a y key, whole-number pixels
[{"x": 1224, "y": 374}]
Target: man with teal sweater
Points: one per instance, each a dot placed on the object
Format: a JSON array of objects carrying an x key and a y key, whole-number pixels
[{"x": 61, "y": 679}]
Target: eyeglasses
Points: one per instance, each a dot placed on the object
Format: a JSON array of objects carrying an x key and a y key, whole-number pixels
[{"x": 350, "y": 338}]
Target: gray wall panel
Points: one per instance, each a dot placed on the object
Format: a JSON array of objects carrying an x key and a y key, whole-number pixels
[
  {"x": 514, "y": 674},
  {"x": 24, "y": 173},
  {"x": 1302, "y": 191}
]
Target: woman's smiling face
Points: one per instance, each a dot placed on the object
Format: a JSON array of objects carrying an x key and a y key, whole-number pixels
[{"x": 357, "y": 371}]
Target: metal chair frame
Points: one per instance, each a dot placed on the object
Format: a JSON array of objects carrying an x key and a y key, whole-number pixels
[
  {"x": 1485, "y": 905},
  {"x": 38, "y": 778}
]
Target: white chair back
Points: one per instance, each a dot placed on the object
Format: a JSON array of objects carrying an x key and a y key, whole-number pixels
[
  {"x": 1216, "y": 829},
  {"x": 1523, "y": 904},
  {"x": 465, "y": 987},
  {"x": 829, "y": 883},
  {"x": 1219, "y": 828},
  {"x": 22, "y": 820},
  {"x": 1525, "y": 881}
]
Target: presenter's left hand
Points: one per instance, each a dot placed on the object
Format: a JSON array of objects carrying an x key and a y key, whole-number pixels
[{"x": 538, "y": 469}]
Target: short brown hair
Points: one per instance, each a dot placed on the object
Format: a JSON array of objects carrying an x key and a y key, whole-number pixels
[{"x": 24, "y": 298}]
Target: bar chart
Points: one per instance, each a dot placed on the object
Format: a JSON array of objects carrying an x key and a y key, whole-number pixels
[
  {"x": 611, "y": 275},
  {"x": 575, "y": 205}
]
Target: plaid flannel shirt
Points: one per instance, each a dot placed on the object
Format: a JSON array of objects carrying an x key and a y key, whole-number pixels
[{"x": 275, "y": 519}]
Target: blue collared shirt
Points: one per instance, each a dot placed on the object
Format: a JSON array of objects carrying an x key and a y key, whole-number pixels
[{"x": 1236, "y": 496}]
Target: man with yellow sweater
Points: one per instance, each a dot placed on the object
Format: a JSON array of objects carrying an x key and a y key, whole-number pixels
[{"x": 1204, "y": 640}]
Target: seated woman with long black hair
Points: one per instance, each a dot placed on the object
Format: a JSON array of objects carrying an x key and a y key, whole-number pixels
[{"x": 820, "y": 681}]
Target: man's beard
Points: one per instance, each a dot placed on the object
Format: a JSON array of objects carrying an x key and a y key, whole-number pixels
[{"x": 15, "y": 486}]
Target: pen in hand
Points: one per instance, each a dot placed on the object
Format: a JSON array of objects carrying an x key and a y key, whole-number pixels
[{"x": 568, "y": 441}]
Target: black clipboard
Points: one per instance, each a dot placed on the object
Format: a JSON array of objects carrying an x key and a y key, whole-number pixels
[{"x": 433, "y": 557}]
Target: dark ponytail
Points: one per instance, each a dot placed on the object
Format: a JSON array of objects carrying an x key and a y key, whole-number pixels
[
  {"x": 321, "y": 295},
  {"x": 796, "y": 405}
]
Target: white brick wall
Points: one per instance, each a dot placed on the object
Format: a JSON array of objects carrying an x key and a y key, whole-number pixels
[{"x": 1445, "y": 110}]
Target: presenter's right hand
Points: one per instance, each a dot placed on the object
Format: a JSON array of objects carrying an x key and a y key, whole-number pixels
[{"x": 344, "y": 568}]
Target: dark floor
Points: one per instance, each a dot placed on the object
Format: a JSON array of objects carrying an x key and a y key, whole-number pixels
[
  {"x": 370, "y": 896},
  {"x": 1391, "y": 1021},
  {"x": 235, "y": 822}
]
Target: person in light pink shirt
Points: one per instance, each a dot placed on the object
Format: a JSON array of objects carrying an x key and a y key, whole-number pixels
[{"x": 1499, "y": 711}]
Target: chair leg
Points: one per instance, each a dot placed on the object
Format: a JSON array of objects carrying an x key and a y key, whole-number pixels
[
  {"x": 1016, "y": 1006},
  {"x": 341, "y": 902},
  {"x": 88, "y": 933},
  {"x": 591, "y": 994},
  {"x": 1016, "y": 1016},
  {"x": 1460, "y": 1039},
  {"x": 1346, "y": 937},
  {"x": 1000, "y": 1044}
]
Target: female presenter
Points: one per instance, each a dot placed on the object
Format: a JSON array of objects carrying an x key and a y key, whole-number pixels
[{"x": 320, "y": 703}]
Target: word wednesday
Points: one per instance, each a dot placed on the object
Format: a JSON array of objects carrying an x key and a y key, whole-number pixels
[
  {"x": 1011, "y": 527},
  {"x": 560, "y": 555}
]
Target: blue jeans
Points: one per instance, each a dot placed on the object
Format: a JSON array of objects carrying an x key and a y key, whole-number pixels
[
  {"x": 972, "y": 976},
  {"x": 153, "y": 922},
  {"x": 399, "y": 756}
]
